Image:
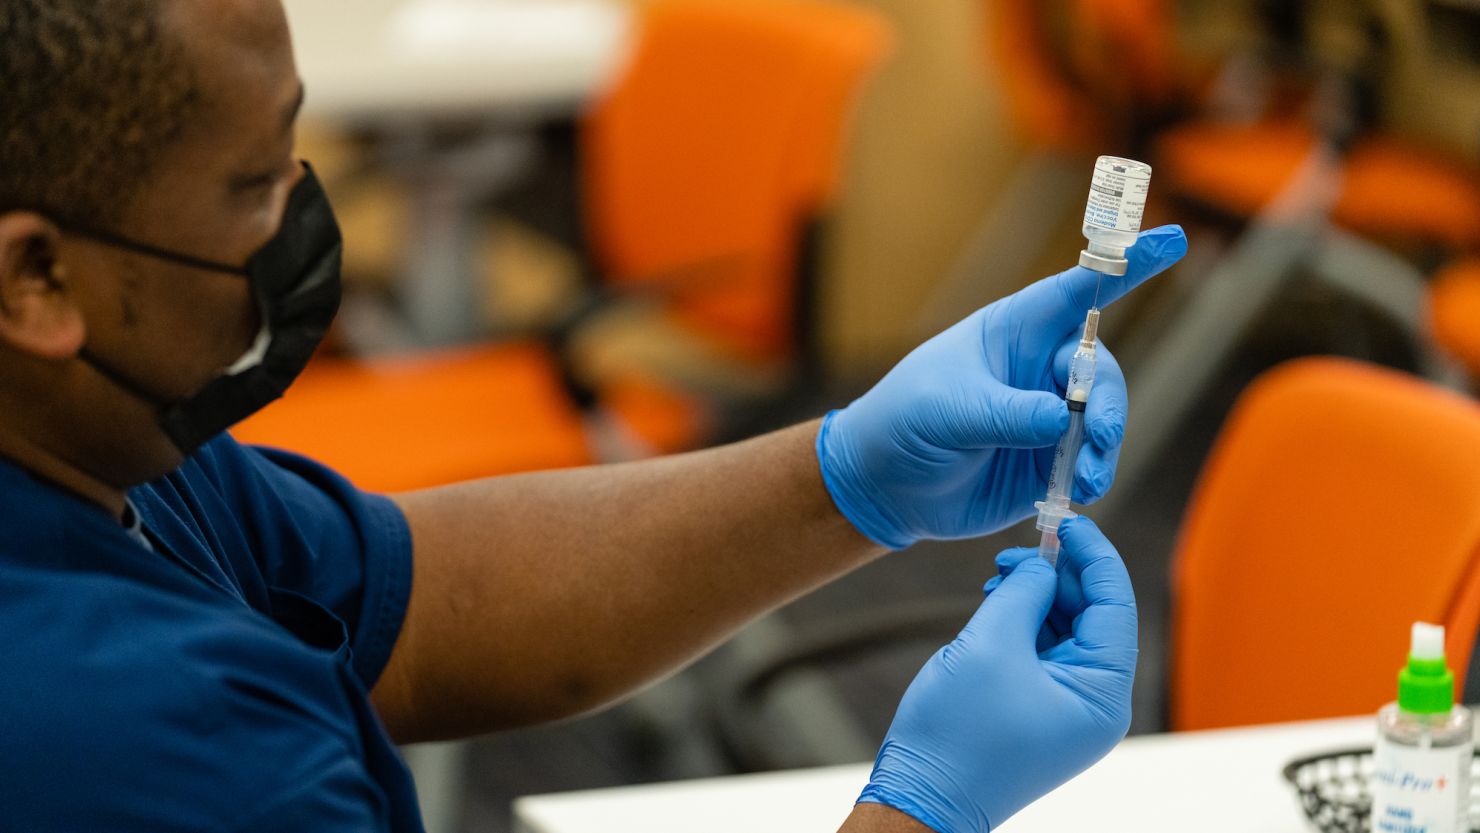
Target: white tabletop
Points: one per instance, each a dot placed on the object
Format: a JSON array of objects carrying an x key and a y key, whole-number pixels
[
  {"x": 1212, "y": 782},
  {"x": 377, "y": 59}
]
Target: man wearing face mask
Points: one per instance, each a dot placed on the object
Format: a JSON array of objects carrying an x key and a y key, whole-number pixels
[{"x": 202, "y": 636}]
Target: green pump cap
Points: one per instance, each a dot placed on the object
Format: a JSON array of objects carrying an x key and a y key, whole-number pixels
[{"x": 1425, "y": 685}]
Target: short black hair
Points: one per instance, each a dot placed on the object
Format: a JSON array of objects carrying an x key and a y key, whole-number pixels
[{"x": 91, "y": 93}]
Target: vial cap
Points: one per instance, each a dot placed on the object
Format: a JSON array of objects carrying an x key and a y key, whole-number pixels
[{"x": 1113, "y": 266}]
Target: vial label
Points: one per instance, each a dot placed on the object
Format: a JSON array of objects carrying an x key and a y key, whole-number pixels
[
  {"x": 1420, "y": 790},
  {"x": 1116, "y": 201}
]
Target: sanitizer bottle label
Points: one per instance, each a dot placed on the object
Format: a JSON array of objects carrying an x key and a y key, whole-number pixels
[
  {"x": 1420, "y": 790},
  {"x": 1116, "y": 201}
]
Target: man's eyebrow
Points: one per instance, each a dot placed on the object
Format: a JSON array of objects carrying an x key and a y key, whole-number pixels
[{"x": 291, "y": 116}]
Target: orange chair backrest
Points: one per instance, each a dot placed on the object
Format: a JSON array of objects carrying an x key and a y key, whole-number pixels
[
  {"x": 1391, "y": 190},
  {"x": 1454, "y": 312},
  {"x": 1340, "y": 504},
  {"x": 721, "y": 142},
  {"x": 1062, "y": 84}
]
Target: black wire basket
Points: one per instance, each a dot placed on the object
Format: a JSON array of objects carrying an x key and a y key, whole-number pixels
[{"x": 1335, "y": 790}]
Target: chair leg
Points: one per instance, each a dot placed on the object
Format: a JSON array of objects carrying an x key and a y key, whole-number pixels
[{"x": 439, "y": 287}]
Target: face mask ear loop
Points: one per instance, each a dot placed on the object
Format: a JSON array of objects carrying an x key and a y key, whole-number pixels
[
  {"x": 118, "y": 241},
  {"x": 122, "y": 381}
]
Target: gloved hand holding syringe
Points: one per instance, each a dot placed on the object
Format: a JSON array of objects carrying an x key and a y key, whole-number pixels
[{"x": 1112, "y": 220}]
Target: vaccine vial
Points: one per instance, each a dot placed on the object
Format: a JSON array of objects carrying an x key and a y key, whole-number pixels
[{"x": 1112, "y": 217}]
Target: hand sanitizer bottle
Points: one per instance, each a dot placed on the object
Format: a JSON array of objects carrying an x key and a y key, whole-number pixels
[{"x": 1425, "y": 743}]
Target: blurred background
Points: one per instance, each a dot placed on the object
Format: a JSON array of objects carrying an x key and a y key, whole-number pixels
[{"x": 586, "y": 231}]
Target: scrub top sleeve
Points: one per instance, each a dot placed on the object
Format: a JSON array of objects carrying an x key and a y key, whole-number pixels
[
  {"x": 338, "y": 799},
  {"x": 348, "y": 550}
]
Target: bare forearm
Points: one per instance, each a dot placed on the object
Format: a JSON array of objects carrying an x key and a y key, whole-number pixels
[
  {"x": 877, "y": 818},
  {"x": 540, "y": 596}
]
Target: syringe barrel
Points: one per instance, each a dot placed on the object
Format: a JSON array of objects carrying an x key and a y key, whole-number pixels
[
  {"x": 1081, "y": 376},
  {"x": 1048, "y": 547},
  {"x": 1061, "y": 478}
]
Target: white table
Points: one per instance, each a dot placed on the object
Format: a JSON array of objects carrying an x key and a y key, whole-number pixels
[
  {"x": 1211, "y": 782},
  {"x": 377, "y": 59}
]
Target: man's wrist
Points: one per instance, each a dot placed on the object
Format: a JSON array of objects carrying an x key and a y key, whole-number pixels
[
  {"x": 848, "y": 501},
  {"x": 881, "y": 818}
]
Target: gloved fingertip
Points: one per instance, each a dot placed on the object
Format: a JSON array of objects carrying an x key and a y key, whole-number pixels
[
  {"x": 1100, "y": 482},
  {"x": 1017, "y": 607},
  {"x": 1036, "y": 564},
  {"x": 1071, "y": 529},
  {"x": 1108, "y": 431},
  {"x": 1168, "y": 245},
  {"x": 1009, "y": 559},
  {"x": 1089, "y": 490},
  {"x": 1016, "y": 558},
  {"x": 1156, "y": 250},
  {"x": 1050, "y": 417}
]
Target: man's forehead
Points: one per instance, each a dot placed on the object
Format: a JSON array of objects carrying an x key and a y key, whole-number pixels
[
  {"x": 242, "y": 56},
  {"x": 246, "y": 22},
  {"x": 228, "y": 39}
]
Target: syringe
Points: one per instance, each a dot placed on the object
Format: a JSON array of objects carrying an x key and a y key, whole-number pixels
[
  {"x": 1054, "y": 508},
  {"x": 1112, "y": 219}
]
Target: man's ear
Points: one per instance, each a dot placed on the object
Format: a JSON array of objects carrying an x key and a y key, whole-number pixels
[{"x": 38, "y": 314}]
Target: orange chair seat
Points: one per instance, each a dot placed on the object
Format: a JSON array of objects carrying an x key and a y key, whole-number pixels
[
  {"x": 1454, "y": 312},
  {"x": 1391, "y": 190},
  {"x": 451, "y": 416},
  {"x": 1340, "y": 504}
]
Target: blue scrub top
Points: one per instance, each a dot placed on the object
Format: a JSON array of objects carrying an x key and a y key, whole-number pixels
[{"x": 215, "y": 681}]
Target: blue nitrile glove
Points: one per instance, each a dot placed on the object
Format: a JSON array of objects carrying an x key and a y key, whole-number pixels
[
  {"x": 1033, "y": 691},
  {"x": 956, "y": 441}
]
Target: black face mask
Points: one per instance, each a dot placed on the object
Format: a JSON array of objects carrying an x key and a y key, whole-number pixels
[{"x": 295, "y": 279}]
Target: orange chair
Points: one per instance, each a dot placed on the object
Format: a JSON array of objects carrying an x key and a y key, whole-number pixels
[
  {"x": 1391, "y": 191},
  {"x": 1454, "y": 312},
  {"x": 722, "y": 144},
  {"x": 719, "y": 144},
  {"x": 1340, "y": 504}
]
